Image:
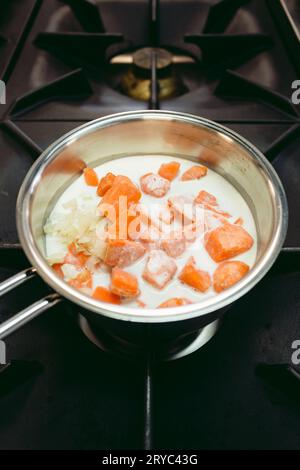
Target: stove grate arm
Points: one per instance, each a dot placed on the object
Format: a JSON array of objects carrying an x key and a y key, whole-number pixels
[
  {"x": 221, "y": 14},
  {"x": 234, "y": 85},
  {"x": 73, "y": 85},
  {"x": 87, "y": 14}
]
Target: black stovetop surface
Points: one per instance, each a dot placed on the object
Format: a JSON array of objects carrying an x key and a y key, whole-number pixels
[{"x": 61, "y": 392}]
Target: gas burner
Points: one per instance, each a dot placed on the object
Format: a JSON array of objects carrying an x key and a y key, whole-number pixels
[
  {"x": 180, "y": 347},
  {"x": 136, "y": 82}
]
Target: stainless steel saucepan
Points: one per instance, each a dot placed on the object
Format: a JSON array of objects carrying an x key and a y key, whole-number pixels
[{"x": 146, "y": 133}]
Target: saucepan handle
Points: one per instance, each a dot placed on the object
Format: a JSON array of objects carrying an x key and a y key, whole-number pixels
[
  {"x": 29, "y": 313},
  {"x": 16, "y": 280}
]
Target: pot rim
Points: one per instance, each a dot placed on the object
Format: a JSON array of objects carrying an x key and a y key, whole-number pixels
[{"x": 147, "y": 315}]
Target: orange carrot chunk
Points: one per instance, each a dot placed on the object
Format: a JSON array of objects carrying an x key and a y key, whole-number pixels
[
  {"x": 175, "y": 244},
  {"x": 123, "y": 252},
  {"x": 83, "y": 279},
  {"x": 210, "y": 203},
  {"x": 124, "y": 284},
  {"x": 105, "y": 295},
  {"x": 175, "y": 302},
  {"x": 229, "y": 273},
  {"x": 105, "y": 184},
  {"x": 90, "y": 177},
  {"x": 218, "y": 213},
  {"x": 194, "y": 173},
  {"x": 194, "y": 277},
  {"x": 227, "y": 241},
  {"x": 57, "y": 269},
  {"x": 169, "y": 170},
  {"x": 75, "y": 257},
  {"x": 159, "y": 269},
  {"x": 204, "y": 198},
  {"x": 154, "y": 185},
  {"x": 239, "y": 221},
  {"x": 121, "y": 187}
]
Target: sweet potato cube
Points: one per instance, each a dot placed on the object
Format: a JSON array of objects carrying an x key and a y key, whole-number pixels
[
  {"x": 90, "y": 177},
  {"x": 160, "y": 269},
  {"x": 75, "y": 257},
  {"x": 83, "y": 279},
  {"x": 227, "y": 241},
  {"x": 105, "y": 184},
  {"x": 121, "y": 187},
  {"x": 204, "y": 198},
  {"x": 154, "y": 185},
  {"x": 57, "y": 269},
  {"x": 194, "y": 173},
  {"x": 239, "y": 221},
  {"x": 210, "y": 204},
  {"x": 195, "y": 277},
  {"x": 169, "y": 170},
  {"x": 174, "y": 302},
  {"x": 229, "y": 273},
  {"x": 105, "y": 295},
  {"x": 124, "y": 284},
  {"x": 123, "y": 252},
  {"x": 174, "y": 245}
]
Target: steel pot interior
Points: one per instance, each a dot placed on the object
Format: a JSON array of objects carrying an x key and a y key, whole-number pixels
[{"x": 148, "y": 133}]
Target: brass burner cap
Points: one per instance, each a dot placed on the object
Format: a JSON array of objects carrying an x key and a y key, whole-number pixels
[
  {"x": 142, "y": 59},
  {"x": 137, "y": 81}
]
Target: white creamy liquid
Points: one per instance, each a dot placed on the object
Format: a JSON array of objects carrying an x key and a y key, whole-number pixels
[{"x": 229, "y": 199}]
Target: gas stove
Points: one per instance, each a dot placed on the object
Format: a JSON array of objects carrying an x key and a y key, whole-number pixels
[{"x": 67, "y": 62}]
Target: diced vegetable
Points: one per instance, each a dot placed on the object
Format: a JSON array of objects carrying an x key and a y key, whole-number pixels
[
  {"x": 175, "y": 302},
  {"x": 75, "y": 257},
  {"x": 204, "y": 198},
  {"x": 154, "y": 185},
  {"x": 229, "y": 273},
  {"x": 239, "y": 221},
  {"x": 124, "y": 284},
  {"x": 169, "y": 170},
  {"x": 123, "y": 252},
  {"x": 122, "y": 187},
  {"x": 217, "y": 212},
  {"x": 175, "y": 244},
  {"x": 227, "y": 241},
  {"x": 105, "y": 184},
  {"x": 194, "y": 173},
  {"x": 160, "y": 269},
  {"x": 195, "y": 277},
  {"x": 105, "y": 295},
  {"x": 83, "y": 279},
  {"x": 90, "y": 177},
  {"x": 57, "y": 269},
  {"x": 209, "y": 203}
]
